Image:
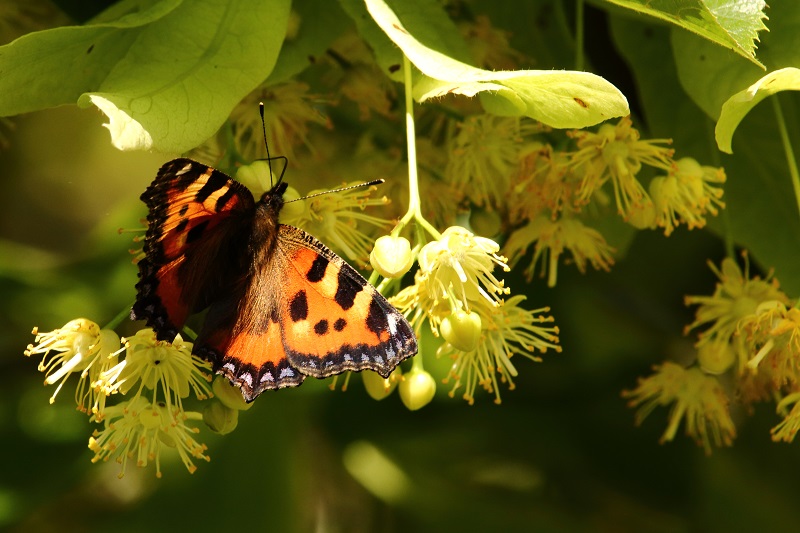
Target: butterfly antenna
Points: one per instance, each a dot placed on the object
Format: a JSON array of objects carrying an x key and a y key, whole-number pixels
[
  {"x": 349, "y": 187},
  {"x": 266, "y": 145}
]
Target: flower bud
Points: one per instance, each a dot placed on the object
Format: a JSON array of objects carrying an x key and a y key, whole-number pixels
[
  {"x": 462, "y": 330},
  {"x": 485, "y": 222},
  {"x": 229, "y": 394},
  {"x": 219, "y": 418},
  {"x": 715, "y": 357},
  {"x": 391, "y": 256},
  {"x": 255, "y": 176},
  {"x": 416, "y": 389},
  {"x": 379, "y": 387}
]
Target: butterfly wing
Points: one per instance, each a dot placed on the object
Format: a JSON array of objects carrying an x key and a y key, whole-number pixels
[
  {"x": 332, "y": 319},
  {"x": 305, "y": 312},
  {"x": 195, "y": 247}
]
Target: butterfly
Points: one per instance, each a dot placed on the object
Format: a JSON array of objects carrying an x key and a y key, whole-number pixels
[{"x": 281, "y": 305}]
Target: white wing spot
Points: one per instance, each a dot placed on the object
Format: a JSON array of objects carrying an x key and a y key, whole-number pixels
[
  {"x": 364, "y": 358},
  {"x": 184, "y": 170},
  {"x": 287, "y": 372},
  {"x": 229, "y": 366},
  {"x": 379, "y": 359},
  {"x": 391, "y": 320},
  {"x": 247, "y": 378},
  {"x": 347, "y": 357},
  {"x": 267, "y": 377}
]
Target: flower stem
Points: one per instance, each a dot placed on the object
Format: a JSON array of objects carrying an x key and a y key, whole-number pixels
[
  {"x": 414, "y": 204},
  {"x": 787, "y": 147},
  {"x": 579, "y": 24}
]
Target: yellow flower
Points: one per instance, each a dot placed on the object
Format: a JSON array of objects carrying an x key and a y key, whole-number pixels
[
  {"x": 484, "y": 152},
  {"x": 775, "y": 331},
  {"x": 616, "y": 153},
  {"x": 787, "y": 428},
  {"x": 735, "y": 299},
  {"x": 153, "y": 364},
  {"x": 139, "y": 430},
  {"x": 489, "y": 46},
  {"x": 695, "y": 397},
  {"x": 552, "y": 238},
  {"x": 287, "y": 114},
  {"x": 358, "y": 78},
  {"x": 334, "y": 217},
  {"x": 506, "y": 331},
  {"x": 457, "y": 269},
  {"x": 79, "y": 346},
  {"x": 686, "y": 194}
]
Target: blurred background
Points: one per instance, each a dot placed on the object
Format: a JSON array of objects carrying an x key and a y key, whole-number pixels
[{"x": 560, "y": 453}]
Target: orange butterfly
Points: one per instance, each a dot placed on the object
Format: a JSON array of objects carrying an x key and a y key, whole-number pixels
[{"x": 281, "y": 305}]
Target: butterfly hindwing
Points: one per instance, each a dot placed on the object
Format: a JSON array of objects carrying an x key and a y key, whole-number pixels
[
  {"x": 193, "y": 247},
  {"x": 333, "y": 319}
]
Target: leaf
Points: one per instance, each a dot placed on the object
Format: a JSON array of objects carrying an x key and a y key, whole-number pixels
[
  {"x": 738, "y": 105},
  {"x": 317, "y": 25},
  {"x": 711, "y": 74},
  {"x": 734, "y": 25},
  {"x": 167, "y": 76},
  {"x": 758, "y": 195},
  {"x": 561, "y": 99}
]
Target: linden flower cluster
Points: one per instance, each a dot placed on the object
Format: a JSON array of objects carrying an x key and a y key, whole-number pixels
[
  {"x": 456, "y": 291},
  {"x": 545, "y": 195},
  {"x": 154, "y": 377},
  {"x": 751, "y": 337}
]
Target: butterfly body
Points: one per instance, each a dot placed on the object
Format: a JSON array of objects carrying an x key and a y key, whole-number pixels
[{"x": 281, "y": 305}]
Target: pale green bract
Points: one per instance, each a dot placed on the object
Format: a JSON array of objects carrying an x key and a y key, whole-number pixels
[
  {"x": 561, "y": 99},
  {"x": 738, "y": 105}
]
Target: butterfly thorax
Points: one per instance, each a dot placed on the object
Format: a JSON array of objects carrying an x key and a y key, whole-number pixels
[{"x": 264, "y": 235}]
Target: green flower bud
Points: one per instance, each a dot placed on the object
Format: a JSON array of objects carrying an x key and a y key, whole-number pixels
[
  {"x": 715, "y": 357},
  {"x": 391, "y": 256},
  {"x": 379, "y": 387},
  {"x": 229, "y": 394},
  {"x": 485, "y": 222},
  {"x": 462, "y": 330},
  {"x": 416, "y": 389},
  {"x": 255, "y": 177},
  {"x": 219, "y": 418}
]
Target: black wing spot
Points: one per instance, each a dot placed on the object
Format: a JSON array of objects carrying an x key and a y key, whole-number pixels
[
  {"x": 317, "y": 270},
  {"x": 347, "y": 290},
  {"x": 183, "y": 210},
  {"x": 376, "y": 318},
  {"x": 196, "y": 232},
  {"x": 340, "y": 324},
  {"x": 321, "y": 327},
  {"x": 298, "y": 307}
]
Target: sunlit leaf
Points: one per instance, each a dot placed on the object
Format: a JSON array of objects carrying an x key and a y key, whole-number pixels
[
  {"x": 734, "y": 25},
  {"x": 167, "y": 76},
  {"x": 562, "y": 99}
]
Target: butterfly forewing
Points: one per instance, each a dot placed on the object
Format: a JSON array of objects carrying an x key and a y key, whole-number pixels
[{"x": 193, "y": 247}]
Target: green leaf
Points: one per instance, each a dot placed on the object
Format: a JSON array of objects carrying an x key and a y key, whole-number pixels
[
  {"x": 711, "y": 74},
  {"x": 317, "y": 25},
  {"x": 758, "y": 194},
  {"x": 167, "y": 76},
  {"x": 738, "y": 105},
  {"x": 561, "y": 99},
  {"x": 733, "y": 25}
]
